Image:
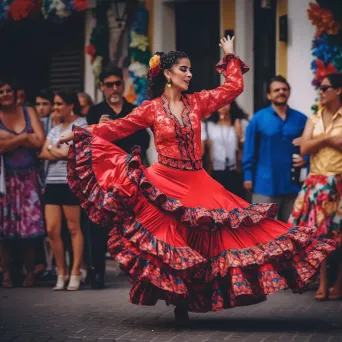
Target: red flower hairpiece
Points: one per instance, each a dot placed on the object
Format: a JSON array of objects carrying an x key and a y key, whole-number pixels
[{"x": 154, "y": 64}]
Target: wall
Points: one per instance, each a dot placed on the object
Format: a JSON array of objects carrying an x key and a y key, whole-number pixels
[
  {"x": 164, "y": 26},
  {"x": 89, "y": 80},
  {"x": 301, "y": 33},
  {"x": 244, "y": 49},
  {"x": 281, "y": 53},
  {"x": 238, "y": 15}
]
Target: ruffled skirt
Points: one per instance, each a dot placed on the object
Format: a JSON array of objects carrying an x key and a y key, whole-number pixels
[
  {"x": 319, "y": 204},
  {"x": 179, "y": 235}
]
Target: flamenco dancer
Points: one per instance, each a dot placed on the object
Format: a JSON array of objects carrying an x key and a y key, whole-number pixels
[{"x": 177, "y": 233}]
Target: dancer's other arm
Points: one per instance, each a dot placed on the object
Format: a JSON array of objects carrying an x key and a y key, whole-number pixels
[{"x": 141, "y": 117}]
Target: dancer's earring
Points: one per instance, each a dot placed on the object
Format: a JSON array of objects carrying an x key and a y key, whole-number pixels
[{"x": 169, "y": 83}]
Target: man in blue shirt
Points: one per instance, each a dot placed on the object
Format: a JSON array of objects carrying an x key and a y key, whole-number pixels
[{"x": 271, "y": 150}]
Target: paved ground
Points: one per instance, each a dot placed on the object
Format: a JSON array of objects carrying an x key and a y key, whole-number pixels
[{"x": 38, "y": 314}]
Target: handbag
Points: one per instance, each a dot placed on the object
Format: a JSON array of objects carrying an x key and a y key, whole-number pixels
[{"x": 2, "y": 177}]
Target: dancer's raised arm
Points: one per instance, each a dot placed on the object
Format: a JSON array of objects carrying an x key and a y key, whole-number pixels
[{"x": 232, "y": 68}]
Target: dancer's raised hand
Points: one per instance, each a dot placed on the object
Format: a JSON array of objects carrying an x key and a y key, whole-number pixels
[{"x": 227, "y": 44}]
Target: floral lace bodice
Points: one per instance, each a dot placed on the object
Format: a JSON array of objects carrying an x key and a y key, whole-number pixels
[{"x": 178, "y": 145}]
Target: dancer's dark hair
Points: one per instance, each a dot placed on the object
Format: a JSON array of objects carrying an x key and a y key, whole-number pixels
[{"x": 156, "y": 77}]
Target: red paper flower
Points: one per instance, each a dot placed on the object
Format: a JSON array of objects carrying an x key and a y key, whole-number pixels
[
  {"x": 322, "y": 70},
  {"x": 91, "y": 51},
  {"x": 20, "y": 9},
  {"x": 80, "y": 5},
  {"x": 323, "y": 19}
]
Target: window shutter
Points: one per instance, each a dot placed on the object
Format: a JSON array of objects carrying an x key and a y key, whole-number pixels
[
  {"x": 67, "y": 54},
  {"x": 67, "y": 68}
]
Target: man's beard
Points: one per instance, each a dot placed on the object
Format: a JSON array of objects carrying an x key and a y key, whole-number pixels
[
  {"x": 280, "y": 102},
  {"x": 115, "y": 98}
]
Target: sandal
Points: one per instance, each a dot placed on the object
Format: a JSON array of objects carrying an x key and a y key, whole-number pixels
[
  {"x": 321, "y": 295},
  {"x": 60, "y": 285},
  {"x": 29, "y": 279},
  {"x": 74, "y": 283},
  {"x": 333, "y": 295},
  {"x": 7, "y": 280}
]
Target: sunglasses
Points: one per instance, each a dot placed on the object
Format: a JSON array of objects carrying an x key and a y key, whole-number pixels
[
  {"x": 112, "y": 84},
  {"x": 6, "y": 91},
  {"x": 324, "y": 88}
]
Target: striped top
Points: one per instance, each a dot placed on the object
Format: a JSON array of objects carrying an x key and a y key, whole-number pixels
[{"x": 57, "y": 171}]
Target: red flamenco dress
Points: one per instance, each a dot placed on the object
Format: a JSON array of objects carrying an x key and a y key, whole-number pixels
[{"x": 176, "y": 232}]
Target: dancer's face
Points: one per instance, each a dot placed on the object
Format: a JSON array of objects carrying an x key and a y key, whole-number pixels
[
  {"x": 180, "y": 74},
  {"x": 279, "y": 93},
  {"x": 327, "y": 93},
  {"x": 113, "y": 88}
]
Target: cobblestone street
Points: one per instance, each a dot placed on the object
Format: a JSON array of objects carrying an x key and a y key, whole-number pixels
[{"x": 38, "y": 314}]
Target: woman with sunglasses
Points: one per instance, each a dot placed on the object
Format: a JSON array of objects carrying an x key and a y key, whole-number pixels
[
  {"x": 178, "y": 234},
  {"x": 319, "y": 202},
  {"x": 21, "y": 220}
]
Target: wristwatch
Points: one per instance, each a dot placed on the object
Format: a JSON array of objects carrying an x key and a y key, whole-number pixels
[{"x": 49, "y": 147}]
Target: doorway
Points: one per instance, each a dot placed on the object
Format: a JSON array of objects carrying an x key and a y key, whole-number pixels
[
  {"x": 264, "y": 49},
  {"x": 198, "y": 35}
]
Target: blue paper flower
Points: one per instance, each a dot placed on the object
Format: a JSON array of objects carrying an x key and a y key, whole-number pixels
[
  {"x": 314, "y": 66},
  {"x": 140, "y": 24},
  {"x": 69, "y": 5},
  {"x": 324, "y": 50},
  {"x": 3, "y": 9}
]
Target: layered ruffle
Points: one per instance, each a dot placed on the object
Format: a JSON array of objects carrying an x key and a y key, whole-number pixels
[
  {"x": 237, "y": 277},
  {"x": 198, "y": 217},
  {"x": 160, "y": 270}
]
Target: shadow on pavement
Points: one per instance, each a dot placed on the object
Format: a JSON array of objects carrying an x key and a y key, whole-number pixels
[{"x": 238, "y": 324}]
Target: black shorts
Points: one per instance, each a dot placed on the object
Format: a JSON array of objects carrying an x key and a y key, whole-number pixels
[{"x": 59, "y": 194}]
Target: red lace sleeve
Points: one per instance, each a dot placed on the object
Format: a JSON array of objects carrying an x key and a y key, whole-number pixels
[
  {"x": 140, "y": 117},
  {"x": 232, "y": 68}
]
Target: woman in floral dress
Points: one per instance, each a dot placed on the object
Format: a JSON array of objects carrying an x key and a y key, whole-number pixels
[
  {"x": 177, "y": 233},
  {"x": 319, "y": 202},
  {"x": 21, "y": 219}
]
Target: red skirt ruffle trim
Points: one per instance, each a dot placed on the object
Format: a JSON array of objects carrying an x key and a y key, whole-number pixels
[{"x": 159, "y": 270}]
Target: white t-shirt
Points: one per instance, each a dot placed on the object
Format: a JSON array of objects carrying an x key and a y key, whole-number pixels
[
  {"x": 224, "y": 142},
  {"x": 244, "y": 124},
  {"x": 57, "y": 170}
]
